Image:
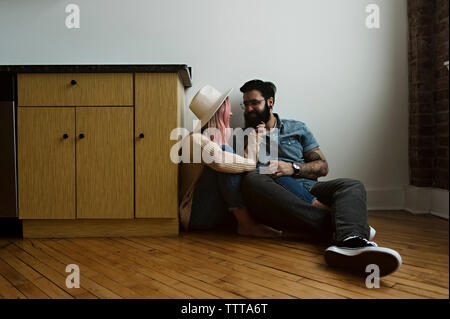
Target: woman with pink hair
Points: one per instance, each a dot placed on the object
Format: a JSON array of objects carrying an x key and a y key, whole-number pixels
[{"x": 210, "y": 189}]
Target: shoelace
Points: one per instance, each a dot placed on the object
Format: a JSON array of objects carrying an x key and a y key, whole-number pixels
[
  {"x": 368, "y": 242},
  {"x": 372, "y": 243}
]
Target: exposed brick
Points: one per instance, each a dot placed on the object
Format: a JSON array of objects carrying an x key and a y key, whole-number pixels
[
  {"x": 443, "y": 184},
  {"x": 442, "y": 152},
  {"x": 422, "y": 163},
  {"x": 442, "y": 53},
  {"x": 443, "y": 141},
  {"x": 422, "y": 142},
  {"x": 423, "y": 173},
  {"x": 442, "y": 129},
  {"x": 441, "y": 173},
  {"x": 441, "y": 72},
  {"x": 442, "y": 84},
  {"x": 428, "y": 92},
  {"x": 426, "y": 130},
  {"x": 441, "y": 117},
  {"x": 442, "y": 163},
  {"x": 441, "y": 106},
  {"x": 425, "y": 107},
  {"x": 441, "y": 178},
  {"x": 421, "y": 182},
  {"x": 441, "y": 26},
  {"x": 441, "y": 95},
  {"x": 426, "y": 152},
  {"x": 422, "y": 119}
]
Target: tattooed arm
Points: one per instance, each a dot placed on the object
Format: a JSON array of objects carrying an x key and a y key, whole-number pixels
[{"x": 315, "y": 164}]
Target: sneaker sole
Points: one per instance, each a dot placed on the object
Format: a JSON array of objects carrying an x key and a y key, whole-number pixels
[{"x": 357, "y": 259}]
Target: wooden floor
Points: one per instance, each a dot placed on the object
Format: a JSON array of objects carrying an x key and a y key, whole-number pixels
[{"x": 208, "y": 265}]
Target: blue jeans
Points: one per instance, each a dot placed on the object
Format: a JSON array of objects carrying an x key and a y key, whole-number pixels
[
  {"x": 296, "y": 187},
  {"x": 215, "y": 194}
]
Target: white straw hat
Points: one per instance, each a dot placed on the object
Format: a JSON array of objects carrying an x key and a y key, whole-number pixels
[{"x": 206, "y": 102}]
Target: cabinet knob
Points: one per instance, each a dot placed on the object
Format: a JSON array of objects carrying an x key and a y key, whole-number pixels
[
  {"x": 141, "y": 135},
  {"x": 65, "y": 135},
  {"x": 81, "y": 135},
  {"x": 73, "y": 82}
]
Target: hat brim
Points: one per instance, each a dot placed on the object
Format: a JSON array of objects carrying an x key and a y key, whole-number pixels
[{"x": 212, "y": 111}]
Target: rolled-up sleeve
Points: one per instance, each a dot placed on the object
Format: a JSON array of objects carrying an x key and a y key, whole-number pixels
[{"x": 309, "y": 142}]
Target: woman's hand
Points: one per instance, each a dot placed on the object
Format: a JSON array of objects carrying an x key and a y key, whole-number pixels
[{"x": 261, "y": 129}]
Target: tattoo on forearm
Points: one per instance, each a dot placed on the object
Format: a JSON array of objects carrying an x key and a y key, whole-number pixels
[
  {"x": 313, "y": 156},
  {"x": 315, "y": 166}
]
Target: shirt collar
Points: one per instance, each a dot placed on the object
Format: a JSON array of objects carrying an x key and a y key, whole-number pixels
[{"x": 279, "y": 122}]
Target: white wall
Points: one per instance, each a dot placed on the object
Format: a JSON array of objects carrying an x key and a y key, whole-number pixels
[{"x": 347, "y": 82}]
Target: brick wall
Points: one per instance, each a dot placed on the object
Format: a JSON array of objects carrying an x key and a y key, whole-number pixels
[{"x": 428, "y": 93}]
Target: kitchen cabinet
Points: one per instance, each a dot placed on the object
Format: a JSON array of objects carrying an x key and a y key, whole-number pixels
[
  {"x": 104, "y": 162},
  {"x": 93, "y": 150},
  {"x": 157, "y": 97},
  {"x": 46, "y": 162}
]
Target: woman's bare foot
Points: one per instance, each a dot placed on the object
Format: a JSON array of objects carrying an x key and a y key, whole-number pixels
[
  {"x": 258, "y": 230},
  {"x": 248, "y": 227}
]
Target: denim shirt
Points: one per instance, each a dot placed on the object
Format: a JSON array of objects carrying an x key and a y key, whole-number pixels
[{"x": 294, "y": 139}]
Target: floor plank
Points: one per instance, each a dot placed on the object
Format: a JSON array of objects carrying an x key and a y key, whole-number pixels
[{"x": 222, "y": 265}]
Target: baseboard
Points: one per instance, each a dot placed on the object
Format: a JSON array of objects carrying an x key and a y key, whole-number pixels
[
  {"x": 416, "y": 200},
  {"x": 440, "y": 214},
  {"x": 439, "y": 202},
  {"x": 99, "y": 228},
  {"x": 427, "y": 200}
]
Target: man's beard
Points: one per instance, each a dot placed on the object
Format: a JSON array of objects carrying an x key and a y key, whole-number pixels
[{"x": 263, "y": 116}]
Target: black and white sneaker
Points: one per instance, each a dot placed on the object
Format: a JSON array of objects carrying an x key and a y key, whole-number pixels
[
  {"x": 356, "y": 253},
  {"x": 372, "y": 233}
]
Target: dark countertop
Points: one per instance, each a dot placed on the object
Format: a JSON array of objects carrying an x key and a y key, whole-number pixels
[{"x": 183, "y": 70}]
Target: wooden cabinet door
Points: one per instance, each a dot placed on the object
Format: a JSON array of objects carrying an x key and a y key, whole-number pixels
[
  {"x": 46, "y": 162},
  {"x": 158, "y": 105},
  {"x": 104, "y": 163},
  {"x": 80, "y": 89}
]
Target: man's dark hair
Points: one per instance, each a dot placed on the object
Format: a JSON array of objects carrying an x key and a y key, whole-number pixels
[{"x": 267, "y": 89}]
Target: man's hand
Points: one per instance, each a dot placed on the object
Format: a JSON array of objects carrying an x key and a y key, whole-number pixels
[
  {"x": 315, "y": 166},
  {"x": 280, "y": 168}
]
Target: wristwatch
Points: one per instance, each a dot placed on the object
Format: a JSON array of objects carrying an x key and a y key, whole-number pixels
[{"x": 296, "y": 168}]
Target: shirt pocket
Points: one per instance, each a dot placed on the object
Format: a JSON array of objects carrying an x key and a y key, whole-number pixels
[{"x": 291, "y": 148}]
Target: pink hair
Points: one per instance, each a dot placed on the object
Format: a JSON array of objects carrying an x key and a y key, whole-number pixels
[{"x": 218, "y": 127}]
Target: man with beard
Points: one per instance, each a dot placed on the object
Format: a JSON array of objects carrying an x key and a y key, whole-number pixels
[{"x": 344, "y": 225}]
